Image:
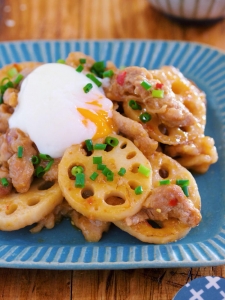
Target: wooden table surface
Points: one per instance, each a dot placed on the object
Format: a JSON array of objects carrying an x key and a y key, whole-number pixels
[{"x": 98, "y": 19}]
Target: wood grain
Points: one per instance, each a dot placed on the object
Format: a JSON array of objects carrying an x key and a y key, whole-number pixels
[{"x": 98, "y": 19}]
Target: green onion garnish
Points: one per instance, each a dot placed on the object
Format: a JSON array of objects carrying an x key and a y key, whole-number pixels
[
  {"x": 89, "y": 145},
  {"x": 4, "y": 181},
  {"x": 48, "y": 167},
  {"x": 138, "y": 190},
  {"x": 158, "y": 93},
  {"x": 87, "y": 87},
  {"x": 145, "y": 117},
  {"x": 80, "y": 180},
  {"x": 94, "y": 176},
  {"x": 82, "y": 60},
  {"x": 144, "y": 170},
  {"x": 106, "y": 171},
  {"x": 45, "y": 156},
  {"x": 39, "y": 172},
  {"x": 61, "y": 61},
  {"x": 185, "y": 190},
  {"x": 112, "y": 141},
  {"x": 79, "y": 68},
  {"x": 94, "y": 79},
  {"x": 108, "y": 73},
  {"x": 18, "y": 79},
  {"x": 20, "y": 152},
  {"x": 35, "y": 160},
  {"x": 122, "y": 171},
  {"x": 76, "y": 170},
  {"x": 12, "y": 72},
  {"x": 98, "y": 68},
  {"x": 164, "y": 182},
  {"x": 146, "y": 85},
  {"x": 182, "y": 182},
  {"x": 110, "y": 177},
  {"x": 101, "y": 167},
  {"x": 97, "y": 160},
  {"x": 99, "y": 146},
  {"x": 134, "y": 105}
]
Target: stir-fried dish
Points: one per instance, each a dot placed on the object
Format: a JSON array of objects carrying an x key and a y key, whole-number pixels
[{"x": 85, "y": 140}]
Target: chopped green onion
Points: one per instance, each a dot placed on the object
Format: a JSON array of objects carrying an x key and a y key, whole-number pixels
[
  {"x": 94, "y": 79},
  {"x": 185, "y": 190},
  {"x": 144, "y": 170},
  {"x": 100, "y": 146},
  {"x": 122, "y": 171},
  {"x": 108, "y": 73},
  {"x": 48, "y": 167},
  {"x": 4, "y": 181},
  {"x": 39, "y": 172},
  {"x": 20, "y": 152},
  {"x": 45, "y": 156},
  {"x": 89, "y": 145},
  {"x": 110, "y": 176},
  {"x": 134, "y": 105},
  {"x": 79, "y": 68},
  {"x": 77, "y": 169},
  {"x": 145, "y": 117},
  {"x": 61, "y": 61},
  {"x": 138, "y": 190},
  {"x": 112, "y": 141},
  {"x": 1, "y": 99},
  {"x": 12, "y": 72},
  {"x": 94, "y": 176},
  {"x": 107, "y": 171},
  {"x": 182, "y": 182},
  {"x": 82, "y": 60},
  {"x": 80, "y": 180},
  {"x": 87, "y": 87},
  {"x": 5, "y": 79},
  {"x": 98, "y": 68},
  {"x": 164, "y": 182},
  {"x": 101, "y": 167},
  {"x": 146, "y": 85},
  {"x": 158, "y": 93},
  {"x": 18, "y": 79},
  {"x": 97, "y": 160},
  {"x": 35, "y": 160}
]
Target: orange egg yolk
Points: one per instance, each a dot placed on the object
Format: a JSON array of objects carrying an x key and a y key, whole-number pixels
[{"x": 101, "y": 119}]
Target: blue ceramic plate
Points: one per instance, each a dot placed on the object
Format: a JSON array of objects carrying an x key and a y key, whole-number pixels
[{"x": 64, "y": 247}]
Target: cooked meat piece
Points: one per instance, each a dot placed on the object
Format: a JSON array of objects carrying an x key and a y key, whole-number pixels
[
  {"x": 10, "y": 97},
  {"x": 167, "y": 202},
  {"x": 4, "y": 173},
  {"x": 91, "y": 229},
  {"x": 134, "y": 131},
  {"x": 5, "y": 113},
  {"x": 20, "y": 169},
  {"x": 128, "y": 82}
]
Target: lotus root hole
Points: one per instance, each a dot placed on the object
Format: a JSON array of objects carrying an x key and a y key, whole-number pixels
[
  {"x": 114, "y": 200},
  {"x": 87, "y": 192},
  {"x": 11, "y": 209},
  {"x": 33, "y": 201},
  {"x": 123, "y": 145},
  {"x": 154, "y": 224},
  {"x": 70, "y": 175},
  {"x": 85, "y": 151},
  {"x": 133, "y": 184},
  {"x": 163, "y": 172},
  {"x": 131, "y": 154},
  {"x": 134, "y": 168},
  {"x": 163, "y": 129},
  {"x": 46, "y": 185}
]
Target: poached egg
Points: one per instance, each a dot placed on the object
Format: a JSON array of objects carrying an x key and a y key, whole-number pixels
[{"x": 55, "y": 112}]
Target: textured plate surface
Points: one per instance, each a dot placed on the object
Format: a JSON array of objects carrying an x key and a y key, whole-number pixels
[{"x": 64, "y": 247}]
